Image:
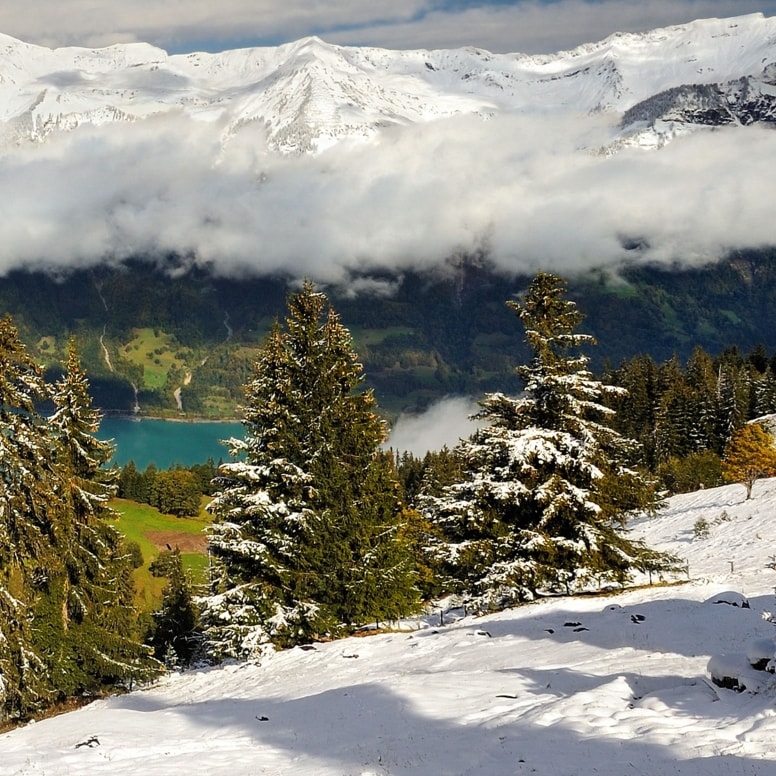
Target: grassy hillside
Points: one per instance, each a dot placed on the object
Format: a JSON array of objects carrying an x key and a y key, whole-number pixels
[{"x": 155, "y": 532}]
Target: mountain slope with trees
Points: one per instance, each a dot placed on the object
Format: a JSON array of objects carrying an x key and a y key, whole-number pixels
[
  {"x": 158, "y": 327},
  {"x": 318, "y": 531},
  {"x": 607, "y": 684}
]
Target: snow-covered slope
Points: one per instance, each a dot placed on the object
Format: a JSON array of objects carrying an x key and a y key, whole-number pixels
[
  {"x": 306, "y": 95},
  {"x": 611, "y": 685}
]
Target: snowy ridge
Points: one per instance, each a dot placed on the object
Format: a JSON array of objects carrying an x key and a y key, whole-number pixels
[
  {"x": 611, "y": 685},
  {"x": 306, "y": 95},
  {"x": 742, "y": 102}
]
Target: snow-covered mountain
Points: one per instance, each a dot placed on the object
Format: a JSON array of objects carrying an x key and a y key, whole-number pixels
[
  {"x": 612, "y": 684},
  {"x": 307, "y": 95},
  {"x": 744, "y": 101}
]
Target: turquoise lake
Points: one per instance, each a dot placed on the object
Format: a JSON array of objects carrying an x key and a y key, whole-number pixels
[{"x": 165, "y": 443}]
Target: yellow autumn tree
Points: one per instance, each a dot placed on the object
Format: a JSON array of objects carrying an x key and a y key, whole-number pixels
[{"x": 749, "y": 456}]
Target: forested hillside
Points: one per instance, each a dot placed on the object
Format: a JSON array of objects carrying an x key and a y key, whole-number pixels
[{"x": 186, "y": 331}]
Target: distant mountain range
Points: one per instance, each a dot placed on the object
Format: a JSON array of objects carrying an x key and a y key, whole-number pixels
[{"x": 307, "y": 95}]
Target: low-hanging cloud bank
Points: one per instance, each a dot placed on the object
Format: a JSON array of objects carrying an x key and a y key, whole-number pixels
[
  {"x": 530, "y": 191},
  {"x": 443, "y": 424}
]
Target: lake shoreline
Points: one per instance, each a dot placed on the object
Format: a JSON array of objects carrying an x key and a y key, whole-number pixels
[{"x": 188, "y": 419}]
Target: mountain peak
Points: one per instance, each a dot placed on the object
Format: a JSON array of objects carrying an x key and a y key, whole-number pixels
[{"x": 310, "y": 42}]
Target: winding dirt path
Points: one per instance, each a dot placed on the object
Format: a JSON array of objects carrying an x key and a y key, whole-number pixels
[{"x": 105, "y": 353}]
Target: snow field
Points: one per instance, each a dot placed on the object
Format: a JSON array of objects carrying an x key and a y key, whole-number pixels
[{"x": 611, "y": 684}]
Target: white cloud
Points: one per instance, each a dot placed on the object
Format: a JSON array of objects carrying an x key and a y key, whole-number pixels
[
  {"x": 518, "y": 186},
  {"x": 443, "y": 424}
]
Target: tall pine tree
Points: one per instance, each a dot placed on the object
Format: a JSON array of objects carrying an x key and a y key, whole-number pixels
[
  {"x": 307, "y": 535},
  {"x": 29, "y": 516},
  {"x": 100, "y": 643},
  {"x": 66, "y": 619},
  {"x": 549, "y": 485}
]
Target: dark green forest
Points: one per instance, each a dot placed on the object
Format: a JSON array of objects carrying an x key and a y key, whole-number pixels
[{"x": 156, "y": 328}]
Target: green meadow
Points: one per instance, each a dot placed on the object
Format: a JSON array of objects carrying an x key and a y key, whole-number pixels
[
  {"x": 155, "y": 532},
  {"x": 157, "y": 353}
]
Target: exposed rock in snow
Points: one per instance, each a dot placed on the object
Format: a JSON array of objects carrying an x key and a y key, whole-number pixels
[
  {"x": 760, "y": 653},
  {"x": 731, "y": 598}
]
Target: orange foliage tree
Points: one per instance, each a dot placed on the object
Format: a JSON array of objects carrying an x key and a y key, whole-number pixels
[{"x": 749, "y": 456}]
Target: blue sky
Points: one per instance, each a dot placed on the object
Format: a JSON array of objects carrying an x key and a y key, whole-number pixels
[{"x": 526, "y": 26}]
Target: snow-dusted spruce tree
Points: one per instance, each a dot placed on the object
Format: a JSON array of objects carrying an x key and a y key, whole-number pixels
[
  {"x": 65, "y": 583},
  {"x": 29, "y": 514},
  {"x": 548, "y": 487},
  {"x": 101, "y": 644},
  {"x": 306, "y": 539}
]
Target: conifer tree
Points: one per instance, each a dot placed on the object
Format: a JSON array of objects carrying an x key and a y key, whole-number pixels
[
  {"x": 549, "y": 486},
  {"x": 636, "y": 407},
  {"x": 765, "y": 401},
  {"x": 175, "y": 637},
  {"x": 131, "y": 483},
  {"x": 66, "y": 615},
  {"x": 306, "y": 537},
  {"x": 672, "y": 412},
  {"x": 732, "y": 401},
  {"x": 429, "y": 477},
  {"x": 28, "y": 529},
  {"x": 701, "y": 381},
  {"x": 99, "y": 616}
]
